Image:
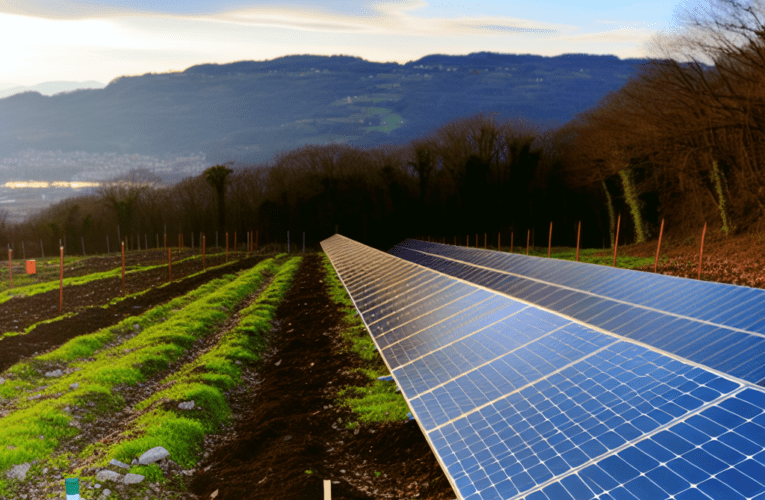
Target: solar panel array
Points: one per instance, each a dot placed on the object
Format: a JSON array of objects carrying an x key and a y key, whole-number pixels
[
  {"x": 715, "y": 324},
  {"x": 520, "y": 401}
]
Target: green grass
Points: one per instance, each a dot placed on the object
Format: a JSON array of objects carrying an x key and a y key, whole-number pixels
[
  {"x": 162, "y": 341},
  {"x": 377, "y": 401},
  {"x": 37, "y": 288},
  {"x": 588, "y": 255},
  {"x": 107, "y": 305},
  {"x": 203, "y": 381}
]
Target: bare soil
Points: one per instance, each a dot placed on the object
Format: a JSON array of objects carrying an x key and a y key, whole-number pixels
[
  {"x": 290, "y": 426},
  {"x": 738, "y": 260},
  {"x": 20, "y": 312}
]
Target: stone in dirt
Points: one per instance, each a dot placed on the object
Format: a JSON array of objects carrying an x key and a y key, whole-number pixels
[
  {"x": 117, "y": 463},
  {"x": 153, "y": 455},
  {"x": 2, "y": 380},
  {"x": 106, "y": 493},
  {"x": 188, "y": 405},
  {"x": 107, "y": 475},
  {"x": 75, "y": 385},
  {"x": 54, "y": 373},
  {"x": 133, "y": 478},
  {"x": 18, "y": 472}
]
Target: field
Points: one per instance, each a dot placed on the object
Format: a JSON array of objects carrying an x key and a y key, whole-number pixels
[{"x": 282, "y": 375}]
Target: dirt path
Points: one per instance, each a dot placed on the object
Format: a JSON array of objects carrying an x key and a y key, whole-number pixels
[
  {"x": 52, "y": 335},
  {"x": 286, "y": 424}
]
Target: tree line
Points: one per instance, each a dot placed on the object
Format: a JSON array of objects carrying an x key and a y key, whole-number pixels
[{"x": 680, "y": 141}]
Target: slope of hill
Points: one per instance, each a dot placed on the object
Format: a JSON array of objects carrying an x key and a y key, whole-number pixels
[{"x": 247, "y": 111}]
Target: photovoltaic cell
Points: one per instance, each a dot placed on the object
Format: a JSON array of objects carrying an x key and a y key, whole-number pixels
[{"x": 518, "y": 401}]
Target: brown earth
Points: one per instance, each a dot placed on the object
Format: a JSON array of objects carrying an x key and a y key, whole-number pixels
[
  {"x": 738, "y": 260},
  {"x": 288, "y": 424},
  {"x": 20, "y": 312},
  {"x": 90, "y": 319}
]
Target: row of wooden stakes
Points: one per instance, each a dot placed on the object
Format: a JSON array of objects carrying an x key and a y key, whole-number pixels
[
  {"x": 252, "y": 245},
  {"x": 578, "y": 233}
]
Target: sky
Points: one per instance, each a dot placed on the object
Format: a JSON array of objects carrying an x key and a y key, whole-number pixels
[{"x": 100, "y": 40}]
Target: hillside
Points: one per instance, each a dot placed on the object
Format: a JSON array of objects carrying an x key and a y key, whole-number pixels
[{"x": 247, "y": 111}]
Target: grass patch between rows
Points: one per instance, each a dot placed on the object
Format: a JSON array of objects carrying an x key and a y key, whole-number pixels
[{"x": 378, "y": 400}]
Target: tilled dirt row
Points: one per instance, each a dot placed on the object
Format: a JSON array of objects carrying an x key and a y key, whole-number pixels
[
  {"x": 20, "y": 312},
  {"x": 52, "y": 335},
  {"x": 288, "y": 437},
  {"x": 107, "y": 427}
]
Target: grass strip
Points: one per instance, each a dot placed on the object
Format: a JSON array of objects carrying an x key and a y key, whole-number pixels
[
  {"x": 39, "y": 426},
  {"x": 110, "y": 303},
  {"x": 378, "y": 401},
  {"x": 30, "y": 290},
  {"x": 203, "y": 381},
  {"x": 589, "y": 255},
  {"x": 27, "y": 375}
]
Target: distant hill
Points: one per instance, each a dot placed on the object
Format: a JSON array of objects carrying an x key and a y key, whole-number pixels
[
  {"x": 48, "y": 88},
  {"x": 247, "y": 111}
]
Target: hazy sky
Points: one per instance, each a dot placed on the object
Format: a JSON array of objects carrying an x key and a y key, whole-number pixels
[{"x": 101, "y": 40}]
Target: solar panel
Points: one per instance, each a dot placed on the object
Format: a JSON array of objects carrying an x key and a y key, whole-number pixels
[
  {"x": 520, "y": 401},
  {"x": 718, "y": 325}
]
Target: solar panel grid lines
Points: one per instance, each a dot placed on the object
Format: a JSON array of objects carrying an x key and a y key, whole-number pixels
[
  {"x": 486, "y": 363},
  {"x": 382, "y": 284},
  {"x": 330, "y": 244},
  {"x": 388, "y": 305},
  {"x": 464, "y": 311},
  {"x": 609, "y": 333},
  {"x": 634, "y": 444},
  {"x": 693, "y": 287},
  {"x": 589, "y": 308},
  {"x": 460, "y": 339},
  {"x": 388, "y": 293},
  {"x": 426, "y": 305},
  {"x": 519, "y": 389},
  {"x": 533, "y": 443}
]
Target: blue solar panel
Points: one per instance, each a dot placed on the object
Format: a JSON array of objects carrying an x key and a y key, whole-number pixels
[
  {"x": 522, "y": 402},
  {"x": 659, "y": 310}
]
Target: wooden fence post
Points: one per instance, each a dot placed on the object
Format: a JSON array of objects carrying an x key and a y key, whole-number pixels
[
  {"x": 204, "y": 262},
  {"x": 169, "y": 265},
  {"x": 83, "y": 245},
  {"x": 616, "y": 241},
  {"x": 61, "y": 278},
  {"x": 656, "y": 261},
  {"x": 578, "y": 233},
  {"x": 701, "y": 252},
  {"x": 10, "y": 266},
  {"x": 146, "y": 241},
  {"x": 484, "y": 241},
  {"x": 123, "y": 268},
  {"x": 549, "y": 241}
]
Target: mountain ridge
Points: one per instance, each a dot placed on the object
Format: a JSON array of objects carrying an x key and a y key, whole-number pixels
[{"x": 247, "y": 111}]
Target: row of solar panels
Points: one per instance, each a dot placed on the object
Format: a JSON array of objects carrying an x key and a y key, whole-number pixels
[
  {"x": 718, "y": 325},
  {"x": 517, "y": 401}
]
